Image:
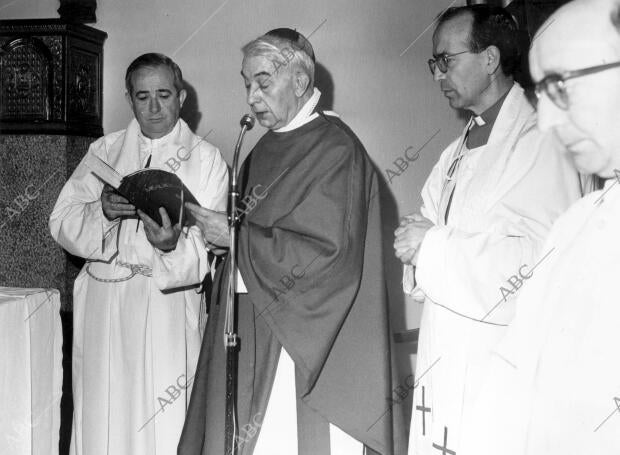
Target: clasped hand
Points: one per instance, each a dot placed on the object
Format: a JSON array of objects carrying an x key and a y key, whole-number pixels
[{"x": 409, "y": 236}]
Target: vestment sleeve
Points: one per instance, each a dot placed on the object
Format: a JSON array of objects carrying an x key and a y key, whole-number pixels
[
  {"x": 77, "y": 221},
  {"x": 431, "y": 197},
  {"x": 188, "y": 263}
]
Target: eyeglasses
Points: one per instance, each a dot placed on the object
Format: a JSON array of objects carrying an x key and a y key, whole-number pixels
[
  {"x": 441, "y": 62},
  {"x": 554, "y": 85}
]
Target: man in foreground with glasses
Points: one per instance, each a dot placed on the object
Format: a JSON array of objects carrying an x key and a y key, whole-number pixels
[
  {"x": 488, "y": 205},
  {"x": 553, "y": 384}
]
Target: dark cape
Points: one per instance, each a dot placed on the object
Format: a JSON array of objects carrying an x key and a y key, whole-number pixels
[{"x": 310, "y": 254}]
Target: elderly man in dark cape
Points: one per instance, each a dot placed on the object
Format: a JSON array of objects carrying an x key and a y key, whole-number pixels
[{"x": 314, "y": 320}]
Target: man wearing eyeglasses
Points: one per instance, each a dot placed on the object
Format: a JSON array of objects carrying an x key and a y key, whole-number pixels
[
  {"x": 553, "y": 385},
  {"x": 488, "y": 205}
]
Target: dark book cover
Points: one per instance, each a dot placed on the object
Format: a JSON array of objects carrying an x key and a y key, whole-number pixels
[{"x": 148, "y": 189}]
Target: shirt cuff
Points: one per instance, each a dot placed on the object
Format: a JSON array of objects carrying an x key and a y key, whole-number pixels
[
  {"x": 408, "y": 278},
  {"x": 108, "y": 238}
]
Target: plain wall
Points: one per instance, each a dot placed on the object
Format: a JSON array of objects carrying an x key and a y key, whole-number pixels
[{"x": 386, "y": 96}]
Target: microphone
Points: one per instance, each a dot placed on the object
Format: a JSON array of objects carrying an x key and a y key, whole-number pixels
[
  {"x": 230, "y": 333},
  {"x": 248, "y": 121}
]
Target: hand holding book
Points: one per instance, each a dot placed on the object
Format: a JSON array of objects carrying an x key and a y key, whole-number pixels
[
  {"x": 213, "y": 225},
  {"x": 115, "y": 205},
  {"x": 146, "y": 189},
  {"x": 163, "y": 237}
]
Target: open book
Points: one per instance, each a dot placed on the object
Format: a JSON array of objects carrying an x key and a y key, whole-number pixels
[{"x": 148, "y": 190}]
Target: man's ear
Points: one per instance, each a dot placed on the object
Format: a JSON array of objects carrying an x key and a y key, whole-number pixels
[
  {"x": 302, "y": 82},
  {"x": 493, "y": 59},
  {"x": 182, "y": 96},
  {"x": 128, "y": 98}
]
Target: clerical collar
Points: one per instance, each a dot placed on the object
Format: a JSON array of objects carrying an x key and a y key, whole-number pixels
[
  {"x": 151, "y": 142},
  {"x": 305, "y": 114},
  {"x": 483, "y": 124}
]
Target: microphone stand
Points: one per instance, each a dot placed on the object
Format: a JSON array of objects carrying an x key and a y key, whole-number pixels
[{"x": 231, "y": 342}]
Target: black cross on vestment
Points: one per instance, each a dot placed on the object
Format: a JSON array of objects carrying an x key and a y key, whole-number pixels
[
  {"x": 444, "y": 449},
  {"x": 424, "y": 411}
]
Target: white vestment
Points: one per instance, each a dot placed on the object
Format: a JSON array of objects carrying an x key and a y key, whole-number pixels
[
  {"x": 507, "y": 195},
  {"x": 136, "y": 341},
  {"x": 278, "y": 433},
  {"x": 553, "y": 383}
]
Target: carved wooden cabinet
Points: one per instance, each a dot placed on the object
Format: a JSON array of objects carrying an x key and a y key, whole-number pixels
[
  {"x": 50, "y": 111},
  {"x": 50, "y": 77}
]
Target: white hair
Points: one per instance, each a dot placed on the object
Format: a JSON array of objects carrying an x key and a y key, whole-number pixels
[{"x": 283, "y": 52}]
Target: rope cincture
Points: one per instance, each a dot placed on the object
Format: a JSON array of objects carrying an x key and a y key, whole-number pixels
[{"x": 136, "y": 269}]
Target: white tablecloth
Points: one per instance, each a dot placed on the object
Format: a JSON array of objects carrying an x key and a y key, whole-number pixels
[{"x": 30, "y": 371}]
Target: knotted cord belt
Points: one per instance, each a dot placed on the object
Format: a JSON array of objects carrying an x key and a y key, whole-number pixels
[{"x": 136, "y": 269}]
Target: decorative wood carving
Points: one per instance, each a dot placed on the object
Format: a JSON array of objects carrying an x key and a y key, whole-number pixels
[
  {"x": 51, "y": 77},
  {"x": 26, "y": 80}
]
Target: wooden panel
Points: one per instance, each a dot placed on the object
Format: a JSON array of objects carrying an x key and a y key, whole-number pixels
[{"x": 51, "y": 78}]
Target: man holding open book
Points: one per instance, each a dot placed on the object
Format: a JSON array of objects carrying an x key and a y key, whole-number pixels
[{"x": 136, "y": 305}]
